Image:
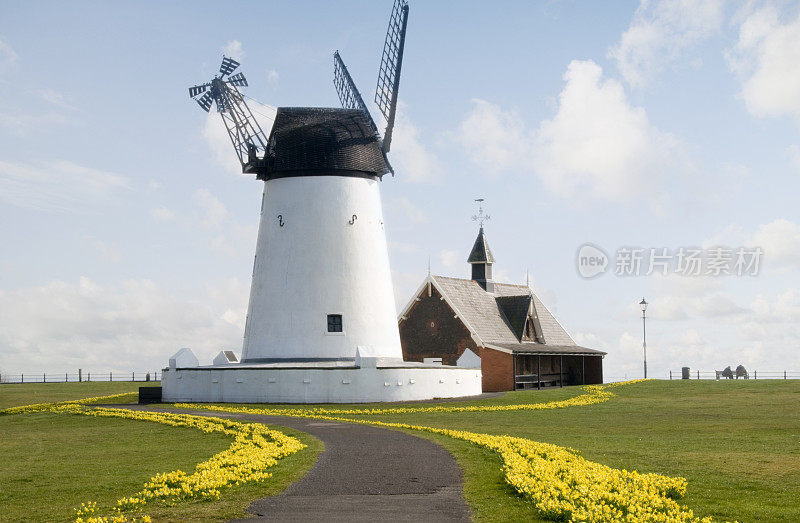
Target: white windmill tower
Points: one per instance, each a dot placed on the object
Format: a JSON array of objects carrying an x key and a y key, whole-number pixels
[{"x": 321, "y": 288}]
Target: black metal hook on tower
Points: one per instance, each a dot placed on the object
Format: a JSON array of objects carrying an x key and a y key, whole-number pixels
[
  {"x": 353, "y": 219},
  {"x": 280, "y": 220}
]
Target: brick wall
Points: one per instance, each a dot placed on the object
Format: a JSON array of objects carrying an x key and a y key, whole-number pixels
[
  {"x": 431, "y": 331},
  {"x": 497, "y": 369}
]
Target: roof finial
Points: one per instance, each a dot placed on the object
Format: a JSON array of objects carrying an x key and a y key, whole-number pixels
[
  {"x": 480, "y": 217},
  {"x": 429, "y": 265},
  {"x": 527, "y": 279}
]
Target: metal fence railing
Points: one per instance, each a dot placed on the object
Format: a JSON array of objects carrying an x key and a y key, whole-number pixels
[
  {"x": 751, "y": 374},
  {"x": 79, "y": 377}
]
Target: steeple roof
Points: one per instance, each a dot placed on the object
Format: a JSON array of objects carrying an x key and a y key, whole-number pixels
[{"x": 480, "y": 251}]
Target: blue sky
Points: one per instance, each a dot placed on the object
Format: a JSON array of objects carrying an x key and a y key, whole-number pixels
[{"x": 127, "y": 232}]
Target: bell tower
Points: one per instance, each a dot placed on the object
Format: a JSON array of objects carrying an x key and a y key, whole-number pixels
[{"x": 480, "y": 258}]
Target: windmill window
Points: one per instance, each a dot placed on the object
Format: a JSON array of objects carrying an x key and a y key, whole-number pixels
[{"x": 334, "y": 323}]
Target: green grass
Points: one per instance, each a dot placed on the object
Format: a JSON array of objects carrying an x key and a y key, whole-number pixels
[
  {"x": 53, "y": 462},
  {"x": 737, "y": 443},
  {"x": 15, "y": 394}
]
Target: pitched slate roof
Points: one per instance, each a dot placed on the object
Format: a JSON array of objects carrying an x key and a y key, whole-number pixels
[
  {"x": 480, "y": 251},
  {"x": 484, "y": 313}
]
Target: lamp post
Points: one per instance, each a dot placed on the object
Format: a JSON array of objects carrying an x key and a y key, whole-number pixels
[{"x": 643, "y": 305}]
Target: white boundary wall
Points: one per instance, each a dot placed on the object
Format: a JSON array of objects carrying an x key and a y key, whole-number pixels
[{"x": 318, "y": 385}]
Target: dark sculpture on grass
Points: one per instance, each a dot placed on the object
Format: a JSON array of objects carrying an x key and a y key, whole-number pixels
[{"x": 729, "y": 374}]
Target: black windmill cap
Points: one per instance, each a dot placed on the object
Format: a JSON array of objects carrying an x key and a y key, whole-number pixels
[{"x": 313, "y": 141}]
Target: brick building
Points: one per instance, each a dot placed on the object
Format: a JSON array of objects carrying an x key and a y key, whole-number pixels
[{"x": 519, "y": 342}]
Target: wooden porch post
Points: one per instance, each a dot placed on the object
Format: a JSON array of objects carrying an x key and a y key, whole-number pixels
[
  {"x": 561, "y": 370},
  {"x": 583, "y": 371},
  {"x": 539, "y": 372},
  {"x": 514, "y": 361}
]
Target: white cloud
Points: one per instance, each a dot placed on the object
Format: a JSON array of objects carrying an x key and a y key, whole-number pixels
[
  {"x": 780, "y": 240},
  {"x": 679, "y": 297},
  {"x": 403, "y": 247},
  {"x": 233, "y": 49},
  {"x": 135, "y": 325},
  {"x": 212, "y": 211},
  {"x": 493, "y": 138},
  {"x": 21, "y": 124},
  {"x": 451, "y": 259},
  {"x": 8, "y": 56},
  {"x": 598, "y": 145},
  {"x": 409, "y": 210},
  {"x": 162, "y": 214},
  {"x": 660, "y": 31},
  {"x": 106, "y": 252},
  {"x": 766, "y": 57},
  {"x": 55, "y": 98},
  {"x": 57, "y": 185},
  {"x": 272, "y": 78},
  {"x": 410, "y": 158}
]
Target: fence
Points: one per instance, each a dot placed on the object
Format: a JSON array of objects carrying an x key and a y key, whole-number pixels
[
  {"x": 753, "y": 375},
  {"x": 80, "y": 376}
]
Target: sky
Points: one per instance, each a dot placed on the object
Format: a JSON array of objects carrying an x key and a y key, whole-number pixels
[{"x": 665, "y": 127}]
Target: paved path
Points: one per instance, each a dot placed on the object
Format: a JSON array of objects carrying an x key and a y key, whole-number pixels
[{"x": 366, "y": 474}]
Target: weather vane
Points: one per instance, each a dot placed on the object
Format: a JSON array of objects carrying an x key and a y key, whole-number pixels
[{"x": 480, "y": 217}]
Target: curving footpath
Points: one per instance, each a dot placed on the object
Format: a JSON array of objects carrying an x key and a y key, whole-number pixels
[{"x": 365, "y": 474}]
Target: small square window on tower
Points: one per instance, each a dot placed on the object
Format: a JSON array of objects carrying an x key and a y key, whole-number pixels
[{"x": 334, "y": 323}]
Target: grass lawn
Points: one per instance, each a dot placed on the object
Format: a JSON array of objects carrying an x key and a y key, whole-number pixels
[
  {"x": 737, "y": 443},
  {"x": 53, "y": 462},
  {"x": 15, "y": 394}
]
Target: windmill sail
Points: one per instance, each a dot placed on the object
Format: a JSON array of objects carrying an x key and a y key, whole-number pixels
[
  {"x": 245, "y": 133},
  {"x": 391, "y": 63},
  {"x": 347, "y": 90}
]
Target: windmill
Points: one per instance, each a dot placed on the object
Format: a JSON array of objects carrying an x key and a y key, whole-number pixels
[
  {"x": 243, "y": 129},
  {"x": 321, "y": 314},
  {"x": 321, "y": 252}
]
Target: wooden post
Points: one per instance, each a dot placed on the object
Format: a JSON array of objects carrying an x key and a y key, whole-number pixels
[
  {"x": 698, "y": 374},
  {"x": 80, "y": 375},
  {"x": 88, "y": 376},
  {"x": 110, "y": 376},
  {"x": 755, "y": 374},
  {"x": 514, "y": 363},
  {"x": 44, "y": 378},
  {"x": 66, "y": 377},
  {"x": 22, "y": 378},
  {"x": 561, "y": 370},
  {"x": 670, "y": 375},
  {"x": 539, "y": 372},
  {"x": 133, "y": 376},
  {"x": 784, "y": 374},
  {"x": 583, "y": 370}
]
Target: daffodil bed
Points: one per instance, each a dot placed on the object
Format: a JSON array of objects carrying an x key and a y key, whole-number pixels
[
  {"x": 562, "y": 485},
  {"x": 254, "y": 450}
]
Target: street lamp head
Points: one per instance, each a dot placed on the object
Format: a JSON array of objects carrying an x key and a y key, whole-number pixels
[{"x": 643, "y": 305}]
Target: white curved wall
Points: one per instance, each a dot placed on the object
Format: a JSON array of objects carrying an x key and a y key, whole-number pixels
[
  {"x": 316, "y": 264},
  {"x": 310, "y": 385}
]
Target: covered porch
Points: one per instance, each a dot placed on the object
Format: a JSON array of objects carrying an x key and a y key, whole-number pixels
[{"x": 556, "y": 370}]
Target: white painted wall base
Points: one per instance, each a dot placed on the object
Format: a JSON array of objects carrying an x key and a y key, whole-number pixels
[{"x": 310, "y": 383}]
